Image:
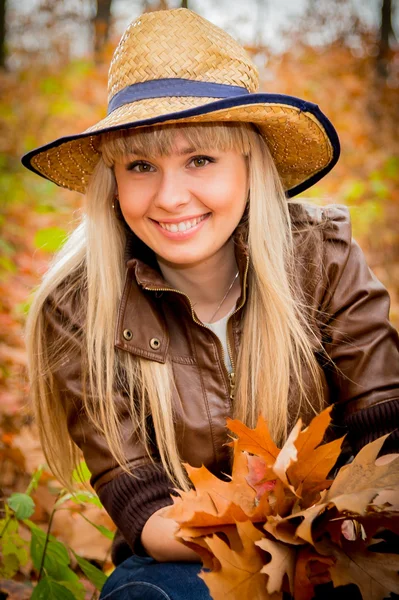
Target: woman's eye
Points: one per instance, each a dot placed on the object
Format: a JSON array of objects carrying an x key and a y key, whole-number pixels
[
  {"x": 143, "y": 167},
  {"x": 201, "y": 160}
]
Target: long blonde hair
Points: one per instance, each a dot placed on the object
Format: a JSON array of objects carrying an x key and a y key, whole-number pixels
[{"x": 276, "y": 345}]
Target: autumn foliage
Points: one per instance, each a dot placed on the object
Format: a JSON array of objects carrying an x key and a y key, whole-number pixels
[{"x": 281, "y": 525}]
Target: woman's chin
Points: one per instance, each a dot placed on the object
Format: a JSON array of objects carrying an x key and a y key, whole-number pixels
[{"x": 182, "y": 259}]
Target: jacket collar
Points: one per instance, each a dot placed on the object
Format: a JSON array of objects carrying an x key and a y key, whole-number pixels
[{"x": 141, "y": 328}]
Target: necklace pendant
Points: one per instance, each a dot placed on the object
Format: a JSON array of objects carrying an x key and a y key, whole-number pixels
[{"x": 224, "y": 298}]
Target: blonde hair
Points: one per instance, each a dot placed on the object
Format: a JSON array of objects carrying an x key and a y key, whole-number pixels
[{"x": 277, "y": 343}]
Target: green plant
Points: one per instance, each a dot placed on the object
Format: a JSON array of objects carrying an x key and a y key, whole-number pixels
[{"x": 51, "y": 559}]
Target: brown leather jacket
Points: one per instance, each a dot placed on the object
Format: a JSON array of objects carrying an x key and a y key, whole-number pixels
[{"x": 349, "y": 314}]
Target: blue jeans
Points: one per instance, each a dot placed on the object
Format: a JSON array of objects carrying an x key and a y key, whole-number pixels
[{"x": 143, "y": 578}]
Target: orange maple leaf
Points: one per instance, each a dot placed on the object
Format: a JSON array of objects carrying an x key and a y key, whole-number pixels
[
  {"x": 256, "y": 441},
  {"x": 239, "y": 574},
  {"x": 217, "y": 502},
  {"x": 308, "y": 473}
]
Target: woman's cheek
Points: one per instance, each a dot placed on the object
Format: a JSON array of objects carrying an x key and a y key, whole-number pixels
[{"x": 132, "y": 205}]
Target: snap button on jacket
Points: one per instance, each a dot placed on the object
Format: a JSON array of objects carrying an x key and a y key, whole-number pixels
[{"x": 349, "y": 314}]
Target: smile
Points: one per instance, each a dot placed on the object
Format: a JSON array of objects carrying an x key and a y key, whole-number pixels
[
  {"x": 182, "y": 225},
  {"x": 181, "y": 230}
]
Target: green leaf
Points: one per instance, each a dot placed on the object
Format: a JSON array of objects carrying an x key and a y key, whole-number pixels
[
  {"x": 34, "y": 482},
  {"x": 56, "y": 561},
  {"x": 81, "y": 474},
  {"x": 56, "y": 552},
  {"x": 77, "y": 589},
  {"x": 13, "y": 550},
  {"x": 9, "y": 566},
  {"x": 104, "y": 530},
  {"x": 81, "y": 497},
  {"x": 68, "y": 578},
  {"x": 93, "y": 574},
  {"x": 48, "y": 589},
  {"x": 22, "y": 505},
  {"x": 12, "y": 524},
  {"x": 50, "y": 238}
]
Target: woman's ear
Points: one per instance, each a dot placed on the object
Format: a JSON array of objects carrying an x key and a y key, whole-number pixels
[{"x": 117, "y": 208}]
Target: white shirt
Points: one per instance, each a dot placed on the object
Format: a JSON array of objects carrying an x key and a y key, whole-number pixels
[{"x": 220, "y": 329}]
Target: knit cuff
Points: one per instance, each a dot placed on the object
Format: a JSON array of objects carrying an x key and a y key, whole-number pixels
[
  {"x": 368, "y": 424},
  {"x": 130, "y": 501}
]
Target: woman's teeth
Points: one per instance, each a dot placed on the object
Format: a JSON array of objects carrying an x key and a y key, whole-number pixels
[{"x": 183, "y": 225}]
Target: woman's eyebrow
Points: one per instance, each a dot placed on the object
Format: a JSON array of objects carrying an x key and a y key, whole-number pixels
[{"x": 181, "y": 152}]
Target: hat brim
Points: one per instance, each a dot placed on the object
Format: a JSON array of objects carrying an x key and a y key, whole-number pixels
[{"x": 302, "y": 141}]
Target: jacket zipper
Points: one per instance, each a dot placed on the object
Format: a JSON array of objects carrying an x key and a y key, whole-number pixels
[{"x": 230, "y": 376}]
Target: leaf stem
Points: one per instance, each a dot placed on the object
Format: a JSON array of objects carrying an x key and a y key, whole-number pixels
[
  {"x": 46, "y": 543},
  {"x": 6, "y": 524}
]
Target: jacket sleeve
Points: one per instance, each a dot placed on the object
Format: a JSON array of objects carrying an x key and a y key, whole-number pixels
[
  {"x": 358, "y": 337},
  {"x": 130, "y": 501}
]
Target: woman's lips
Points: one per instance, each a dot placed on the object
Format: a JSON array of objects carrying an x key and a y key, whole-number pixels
[{"x": 181, "y": 235}]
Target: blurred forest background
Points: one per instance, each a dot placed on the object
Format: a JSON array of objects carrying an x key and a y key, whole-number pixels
[{"x": 54, "y": 55}]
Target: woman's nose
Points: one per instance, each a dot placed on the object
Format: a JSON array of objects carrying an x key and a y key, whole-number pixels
[{"x": 172, "y": 192}]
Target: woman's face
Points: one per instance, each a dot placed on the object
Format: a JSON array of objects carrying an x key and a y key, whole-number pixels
[{"x": 184, "y": 206}]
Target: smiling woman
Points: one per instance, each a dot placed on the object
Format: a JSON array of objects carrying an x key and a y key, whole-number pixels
[{"x": 193, "y": 290}]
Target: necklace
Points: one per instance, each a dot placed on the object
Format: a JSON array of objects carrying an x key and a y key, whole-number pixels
[{"x": 224, "y": 298}]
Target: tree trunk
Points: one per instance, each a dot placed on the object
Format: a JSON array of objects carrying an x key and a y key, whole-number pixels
[
  {"x": 2, "y": 33},
  {"x": 386, "y": 32},
  {"x": 102, "y": 22}
]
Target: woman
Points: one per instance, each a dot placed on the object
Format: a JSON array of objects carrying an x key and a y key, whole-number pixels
[{"x": 193, "y": 290}]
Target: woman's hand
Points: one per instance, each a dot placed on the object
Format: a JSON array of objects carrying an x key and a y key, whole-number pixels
[{"x": 159, "y": 541}]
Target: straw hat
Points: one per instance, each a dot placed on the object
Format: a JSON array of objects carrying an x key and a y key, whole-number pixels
[{"x": 174, "y": 66}]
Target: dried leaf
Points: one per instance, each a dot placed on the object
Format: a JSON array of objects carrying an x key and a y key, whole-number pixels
[
  {"x": 260, "y": 476},
  {"x": 193, "y": 538},
  {"x": 287, "y": 456},
  {"x": 282, "y": 564},
  {"x": 375, "y": 574},
  {"x": 240, "y": 574},
  {"x": 312, "y": 436},
  {"x": 256, "y": 441},
  {"x": 217, "y": 502},
  {"x": 297, "y": 528},
  {"x": 227, "y": 532},
  {"x": 308, "y": 473},
  {"x": 284, "y": 499},
  {"x": 359, "y": 482},
  {"x": 387, "y": 498},
  {"x": 310, "y": 569}
]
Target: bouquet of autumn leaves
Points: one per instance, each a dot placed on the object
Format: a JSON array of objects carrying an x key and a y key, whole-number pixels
[{"x": 279, "y": 525}]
